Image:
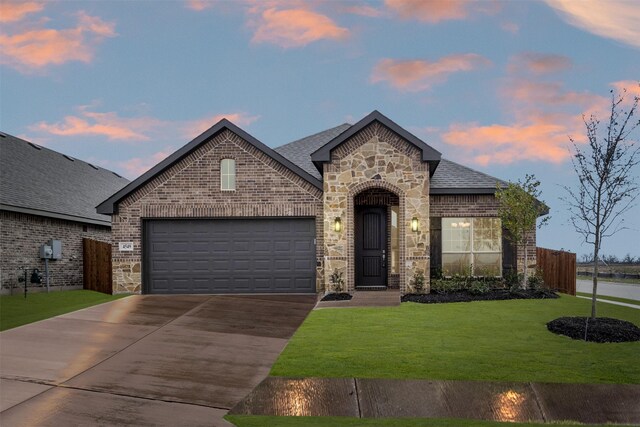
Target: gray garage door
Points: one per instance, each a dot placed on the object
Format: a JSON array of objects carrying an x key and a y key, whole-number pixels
[{"x": 229, "y": 256}]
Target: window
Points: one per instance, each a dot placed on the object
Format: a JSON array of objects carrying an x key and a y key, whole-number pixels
[
  {"x": 395, "y": 237},
  {"x": 472, "y": 246},
  {"x": 228, "y": 174}
]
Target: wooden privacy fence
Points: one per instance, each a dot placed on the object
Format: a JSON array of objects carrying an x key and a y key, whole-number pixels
[
  {"x": 97, "y": 266},
  {"x": 558, "y": 269}
]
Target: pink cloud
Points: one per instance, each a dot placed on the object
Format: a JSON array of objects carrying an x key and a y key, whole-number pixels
[
  {"x": 417, "y": 75},
  {"x": 12, "y": 11},
  {"x": 134, "y": 129},
  {"x": 542, "y": 138},
  {"x": 632, "y": 87},
  {"x": 295, "y": 27},
  {"x": 199, "y": 5},
  {"x": 108, "y": 124},
  {"x": 432, "y": 11},
  {"x": 613, "y": 19},
  {"x": 136, "y": 166},
  {"x": 36, "y": 49},
  {"x": 539, "y": 63},
  {"x": 544, "y": 114},
  {"x": 533, "y": 93}
]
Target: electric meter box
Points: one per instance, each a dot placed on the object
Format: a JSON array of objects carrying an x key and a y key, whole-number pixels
[
  {"x": 56, "y": 248},
  {"x": 46, "y": 252}
]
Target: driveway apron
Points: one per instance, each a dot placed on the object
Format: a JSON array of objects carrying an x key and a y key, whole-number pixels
[{"x": 145, "y": 360}]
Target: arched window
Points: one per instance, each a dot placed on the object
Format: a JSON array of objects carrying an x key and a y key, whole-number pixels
[{"x": 227, "y": 174}]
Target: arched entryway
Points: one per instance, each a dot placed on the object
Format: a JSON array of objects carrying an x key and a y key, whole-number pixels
[{"x": 376, "y": 243}]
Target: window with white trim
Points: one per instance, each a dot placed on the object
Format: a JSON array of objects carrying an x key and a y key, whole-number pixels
[
  {"x": 472, "y": 246},
  {"x": 227, "y": 174}
]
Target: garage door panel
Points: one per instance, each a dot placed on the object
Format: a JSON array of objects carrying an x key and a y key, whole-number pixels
[{"x": 230, "y": 255}]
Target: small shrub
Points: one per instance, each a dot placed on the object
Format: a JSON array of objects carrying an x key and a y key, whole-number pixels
[
  {"x": 513, "y": 279},
  {"x": 337, "y": 281},
  {"x": 445, "y": 286},
  {"x": 479, "y": 287},
  {"x": 418, "y": 281},
  {"x": 436, "y": 273},
  {"x": 535, "y": 281}
]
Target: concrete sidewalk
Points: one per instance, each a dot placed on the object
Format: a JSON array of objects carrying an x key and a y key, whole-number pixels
[{"x": 495, "y": 401}]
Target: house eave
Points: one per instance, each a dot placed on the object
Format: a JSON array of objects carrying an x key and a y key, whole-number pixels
[{"x": 55, "y": 215}]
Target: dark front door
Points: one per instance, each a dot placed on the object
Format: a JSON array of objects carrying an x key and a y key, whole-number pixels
[{"x": 371, "y": 246}]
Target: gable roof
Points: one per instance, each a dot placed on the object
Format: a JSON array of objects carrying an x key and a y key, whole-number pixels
[
  {"x": 429, "y": 154},
  {"x": 40, "y": 181},
  {"x": 449, "y": 178},
  {"x": 299, "y": 151},
  {"x": 109, "y": 206}
]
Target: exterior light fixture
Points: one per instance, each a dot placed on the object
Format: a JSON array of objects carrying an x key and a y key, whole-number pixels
[
  {"x": 337, "y": 225},
  {"x": 414, "y": 224}
]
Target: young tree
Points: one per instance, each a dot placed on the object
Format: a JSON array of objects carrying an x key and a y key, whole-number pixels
[
  {"x": 520, "y": 208},
  {"x": 607, "y": 186}
]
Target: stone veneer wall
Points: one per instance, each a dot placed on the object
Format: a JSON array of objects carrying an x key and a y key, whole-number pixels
[
  {"x": 479, "y": 205},
  {"x": 376, "y": 158},
  {"x": 21, "y": 236},
  {"x": 191, "y": 189}
]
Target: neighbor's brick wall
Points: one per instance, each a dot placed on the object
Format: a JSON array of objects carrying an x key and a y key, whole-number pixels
[
  {"x": 191, "y": 189},
  {"x": 479, "y": 205},
  {"x": 21, "y": 236}
]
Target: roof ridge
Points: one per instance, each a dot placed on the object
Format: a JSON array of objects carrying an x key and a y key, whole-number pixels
[{"x": 314, "y": 134}]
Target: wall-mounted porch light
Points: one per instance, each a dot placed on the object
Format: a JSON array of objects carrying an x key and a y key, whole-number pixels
[
  {"x": 337, "y": 224},
  {"x": 414, "y": 224}
]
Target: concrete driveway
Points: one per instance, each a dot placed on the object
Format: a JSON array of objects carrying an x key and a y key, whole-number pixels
[{"x": 144, "y": 360}]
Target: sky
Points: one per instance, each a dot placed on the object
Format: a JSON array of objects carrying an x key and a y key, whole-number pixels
[{"x": 498, "y": 86}]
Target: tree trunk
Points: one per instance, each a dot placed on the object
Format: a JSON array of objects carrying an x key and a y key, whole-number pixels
[
  {"x": 595, "y": 277},
  {"x": 526, "y": 261}
]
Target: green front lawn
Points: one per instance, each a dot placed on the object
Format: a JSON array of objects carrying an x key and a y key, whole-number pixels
[
  {"x": 259, "y": 421},
  {"x": 487, "y": 340},
  {"x": 16, "y": 310}
]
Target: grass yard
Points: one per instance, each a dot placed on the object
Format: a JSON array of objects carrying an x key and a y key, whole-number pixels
[
  {"x": 258, "y": 421},
  {"x": 485, "y": 340},
  {"x": 15, "y": 310},
  {"x": 609, "y": 298}
]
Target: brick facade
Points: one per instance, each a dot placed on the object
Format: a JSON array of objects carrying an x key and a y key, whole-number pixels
[
  {"x": 191, "y": 189},
  {"x": 21, "y": 236}
]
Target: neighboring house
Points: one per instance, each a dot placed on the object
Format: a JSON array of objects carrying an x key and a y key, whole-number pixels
[
  {"x": 46, "y": 195},
  {"x": 227, "y": 214}
]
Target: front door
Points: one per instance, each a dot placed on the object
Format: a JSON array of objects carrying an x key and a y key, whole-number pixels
[{"x": 371, "y": 246}]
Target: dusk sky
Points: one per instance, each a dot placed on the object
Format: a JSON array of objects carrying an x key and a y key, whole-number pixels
[{"x": 497, "y": 86}]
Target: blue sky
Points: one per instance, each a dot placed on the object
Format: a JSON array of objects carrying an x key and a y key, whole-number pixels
[{"x": 498, "y": 86}]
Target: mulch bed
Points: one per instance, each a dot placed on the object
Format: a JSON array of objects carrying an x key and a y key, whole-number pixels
[
  {"x": 466, "y": 296},
  {"x": 600, "y": 329},
  {"x": 342, "y": 296}
]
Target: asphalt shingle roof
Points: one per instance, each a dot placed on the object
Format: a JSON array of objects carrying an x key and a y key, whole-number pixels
[
  {"x": 45, "y": 182},
  {"x": 448, "y": 176},
  {"x": 299, "y": 152},
  {"x": 452, "y": 175}
]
